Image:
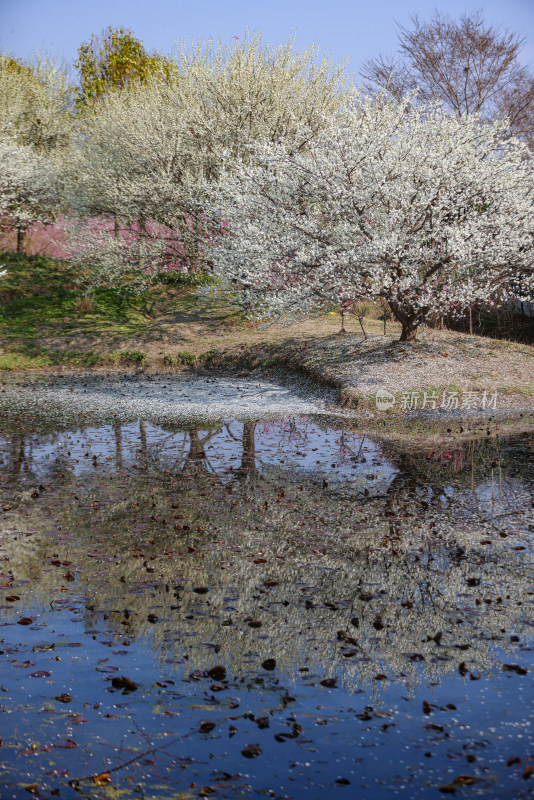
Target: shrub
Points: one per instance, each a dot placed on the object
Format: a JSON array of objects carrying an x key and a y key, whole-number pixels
[
  {"x": 170, "y": 361},
  {"x": 187, "y": 358},
  {"x": 126, "y": 357},
  {"x": 209, "y": 355}
]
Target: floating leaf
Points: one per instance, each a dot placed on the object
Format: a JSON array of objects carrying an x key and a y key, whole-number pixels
[
  {"x": 251, "y": 751},
  {"x": 122, "y": 682}
]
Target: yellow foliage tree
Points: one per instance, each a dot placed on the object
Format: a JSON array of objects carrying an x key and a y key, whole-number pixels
[{"x": 114, "y": 60}]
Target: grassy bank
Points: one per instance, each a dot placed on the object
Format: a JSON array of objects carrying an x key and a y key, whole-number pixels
[{"x": 49, "y": 322}]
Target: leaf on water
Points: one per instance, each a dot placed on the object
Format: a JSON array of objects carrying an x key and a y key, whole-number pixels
[
  {"x": 63, "y": 698},
  {"x": 251, "y": 751},
  {"x": 464, "y": 780},
  {"x": 206, "y": 727},
  {"x": 24, "y": 621},
  {"x": 122, "y": 682},
  {"x": 102, "y": 779},
  {"x": 218, "y": 672},
  {"x": 515, "y": 668},
  {"x": 41, "y": 673}
]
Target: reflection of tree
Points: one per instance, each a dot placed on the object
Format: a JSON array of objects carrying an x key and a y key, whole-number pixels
[
  {"x": 118, "y": 445},
  {"x": 353, "y": 583}
]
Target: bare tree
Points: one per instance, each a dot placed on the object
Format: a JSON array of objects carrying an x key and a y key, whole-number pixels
[{"x": 472, "y": 67}]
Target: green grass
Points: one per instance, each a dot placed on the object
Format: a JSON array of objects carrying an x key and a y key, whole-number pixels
[
  {"x": 39, "y": 358},
  {"x": 526, "y": 390},
  {"x": 19, "y": 361},
  {"x": 39, "y": 292},
  {"x": 43, "y": 297}
]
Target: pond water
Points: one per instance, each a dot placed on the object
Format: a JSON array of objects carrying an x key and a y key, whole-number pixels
[{"x": 224, "y": 590}]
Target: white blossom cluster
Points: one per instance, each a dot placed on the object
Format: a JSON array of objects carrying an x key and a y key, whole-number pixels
[
  {"x": 28, "y": 186},
  {"x": 390, "y": 200}
]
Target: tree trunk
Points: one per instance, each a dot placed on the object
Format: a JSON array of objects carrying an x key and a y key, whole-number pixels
[
  {"x": 409, "y": 320},
  {"x": 408, "y": 333},
  {"x": 20, "y": 240}
]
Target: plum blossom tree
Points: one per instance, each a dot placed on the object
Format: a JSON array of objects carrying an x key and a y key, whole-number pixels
[
  {"x": 392, "y": 201},
  {"x": 28, "y": 188},
  {"x": 35, "y": 130},
  {"x": 144, "y": 157}
]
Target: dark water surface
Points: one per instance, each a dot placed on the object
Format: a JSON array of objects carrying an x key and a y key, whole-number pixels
[{"x": 303, "y": 612}]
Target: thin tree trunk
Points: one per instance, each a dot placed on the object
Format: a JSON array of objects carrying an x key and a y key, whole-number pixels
[{"x": 20, "y": 240}]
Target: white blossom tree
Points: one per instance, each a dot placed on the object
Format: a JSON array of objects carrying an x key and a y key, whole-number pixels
[
  {"x": 28, "y": 188},
  {"x": 391, "y": 200},
  {"x": 35, "y": 101},
  {"x": 142, "y": 155}
]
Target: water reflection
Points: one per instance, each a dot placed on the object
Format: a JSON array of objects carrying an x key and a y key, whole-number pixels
[{"x": 312, "y": 545}]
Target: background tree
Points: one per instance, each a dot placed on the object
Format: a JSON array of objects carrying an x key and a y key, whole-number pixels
[
  {"x": 391, "y": 201},
  {"x": 471, "y": 66},
  {"x": 114, "y": 60},
  {"x": 145, "y": 157},
  {"x": 35, "y": 102}
]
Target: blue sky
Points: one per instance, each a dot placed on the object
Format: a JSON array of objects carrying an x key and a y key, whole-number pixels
[{"x": 357, "y": 28}]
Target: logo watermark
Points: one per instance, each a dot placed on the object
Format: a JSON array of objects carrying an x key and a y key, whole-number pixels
[
  {"x": 384, "y": 400},
  {"x": 419, "y": 399}
]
